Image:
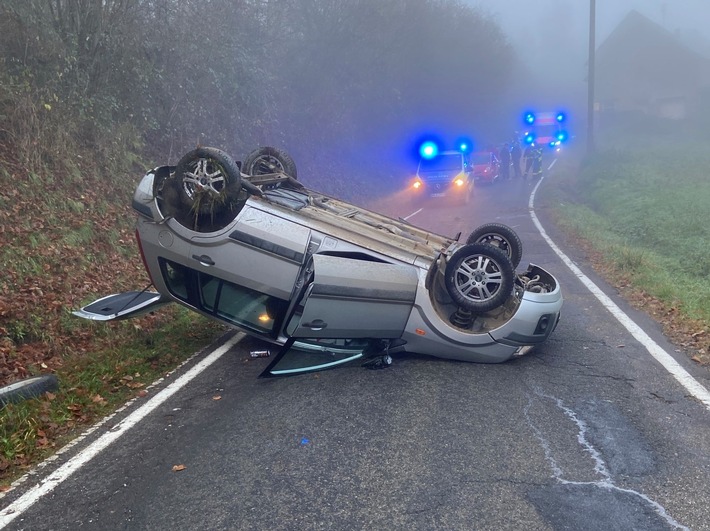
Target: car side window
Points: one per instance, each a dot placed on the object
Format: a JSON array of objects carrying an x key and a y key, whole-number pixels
[
  {"x": 174, "y": 275},
  {"x": 230, "y": 302},
  {"x": 209, "y": 291}
]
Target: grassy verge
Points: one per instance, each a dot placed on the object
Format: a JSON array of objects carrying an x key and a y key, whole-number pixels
[
  {"x": 66, "y": 238},
  {"x": 129, "y": 356},
  {"x": 642, "y": 215}
]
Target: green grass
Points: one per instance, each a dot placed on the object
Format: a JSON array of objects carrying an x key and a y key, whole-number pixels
[{"x": 646, "y": 210}]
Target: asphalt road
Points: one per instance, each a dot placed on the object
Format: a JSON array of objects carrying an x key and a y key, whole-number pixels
[{"x": 587, "y": 432}]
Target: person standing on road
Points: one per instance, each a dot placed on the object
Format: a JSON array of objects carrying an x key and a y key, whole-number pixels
[
  {"x": 505, "y": 162},
  {"x": 529, "y": 157},
  {"x": 515, "y": 155},
  {"x": 537, "y": 163}
]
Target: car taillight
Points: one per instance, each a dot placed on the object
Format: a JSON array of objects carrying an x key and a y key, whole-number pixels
[{"x": 145, "y": 263}]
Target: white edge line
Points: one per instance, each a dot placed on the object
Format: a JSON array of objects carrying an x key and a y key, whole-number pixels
[
  {"x": 47, "y": 485},
  {"x": 660, "y": 355},
  {"x": 413, "y": 214}
]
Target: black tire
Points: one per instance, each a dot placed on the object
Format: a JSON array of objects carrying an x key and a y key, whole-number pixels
[
  {"x": 501, "y": 236},
  {"x": 479, "y": 277},
  {"x": 208, "y": 181},
  {"x": 266, "y": 160},
  {"x": 29, "y": 388}
]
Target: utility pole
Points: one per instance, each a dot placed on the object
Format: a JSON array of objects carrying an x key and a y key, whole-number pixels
[{"x": 590, "y": 79}]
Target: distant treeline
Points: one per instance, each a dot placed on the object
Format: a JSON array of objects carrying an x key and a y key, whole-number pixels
[{"x": 325, "y": 80}]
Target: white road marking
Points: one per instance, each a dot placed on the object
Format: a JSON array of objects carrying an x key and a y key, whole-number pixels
[
  {"x": 552, "y": 164},
  {"x": 24, "y": 502},
  {"x": 660, "y": 355},
  {"x": 413, "y": 214}
]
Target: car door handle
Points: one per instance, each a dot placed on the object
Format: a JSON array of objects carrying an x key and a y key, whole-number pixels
[
  {"x": 316, "y": 324},
  {"x": 204, "y": 259}
]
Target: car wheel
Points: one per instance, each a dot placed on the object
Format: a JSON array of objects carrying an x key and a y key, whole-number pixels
[
  {"x": 29, "y": 388},
  {"x": 266, "y": 160},
  {"x": 501, "y": 236},
  {"x": 208, "y": 181},
  {"x": 479, "y": 277}
]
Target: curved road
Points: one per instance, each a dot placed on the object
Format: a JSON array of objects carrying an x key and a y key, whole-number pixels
[{"x": 589, "y": 431}]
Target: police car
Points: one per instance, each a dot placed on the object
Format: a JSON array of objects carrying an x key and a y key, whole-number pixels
[{"x": 443, "y": 174}]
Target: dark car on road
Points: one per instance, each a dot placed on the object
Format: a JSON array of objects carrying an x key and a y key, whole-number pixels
[{"x": 447, "y": 174}]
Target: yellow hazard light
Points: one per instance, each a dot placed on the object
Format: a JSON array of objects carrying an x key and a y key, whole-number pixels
[{"x": 417, "y": 185}]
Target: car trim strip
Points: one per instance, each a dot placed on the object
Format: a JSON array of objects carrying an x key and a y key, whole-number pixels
[
  {"x": 361, "y": 293},
  {"x": 267, "y": 246}
]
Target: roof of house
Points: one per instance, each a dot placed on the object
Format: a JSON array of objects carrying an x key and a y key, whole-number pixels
[{"x": 641, "y": 60}]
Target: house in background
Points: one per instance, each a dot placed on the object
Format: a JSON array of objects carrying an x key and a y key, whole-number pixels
[{"x": 642, "y": 67}]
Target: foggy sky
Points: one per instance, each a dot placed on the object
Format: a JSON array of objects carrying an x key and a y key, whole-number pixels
[{"x": 552, "y": 36}]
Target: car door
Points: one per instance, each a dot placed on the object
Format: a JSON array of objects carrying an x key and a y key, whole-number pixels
[
  {"x": 311, "y": 355},
  {"x": 262, "y": 252},
  {"x": 355, "y": 298},
  {"x": 122, "y": 306},
  {"x": 348, "y": 310}
]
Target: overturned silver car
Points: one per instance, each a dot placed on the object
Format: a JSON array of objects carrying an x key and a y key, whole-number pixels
[{"x": 247, "y": 244}]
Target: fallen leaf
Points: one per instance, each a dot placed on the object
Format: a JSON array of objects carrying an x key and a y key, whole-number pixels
[
  {"x": 217, "y": 397},
  {"x": 178, "y": 468}
]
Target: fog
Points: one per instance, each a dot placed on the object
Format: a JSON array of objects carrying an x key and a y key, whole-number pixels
[
  {"x": 331, "y": 81},
  {"x": 551, "y": 38}
]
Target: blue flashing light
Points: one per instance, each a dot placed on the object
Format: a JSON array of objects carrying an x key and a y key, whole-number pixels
[
  {"x": 562, "y": 136},
  {"x": 560, "y": 117},
  {"x": 428, "y": 150},
  {"x": 464, "y": 144},
  {"x": 529, "y": 118},
  {"x": 529, "y": 138}
]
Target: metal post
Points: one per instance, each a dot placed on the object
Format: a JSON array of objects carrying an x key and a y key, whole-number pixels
[{"x": 590, "y": 79}]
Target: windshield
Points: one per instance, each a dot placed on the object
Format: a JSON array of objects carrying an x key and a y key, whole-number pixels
[{"x": 453, "y": 162}]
